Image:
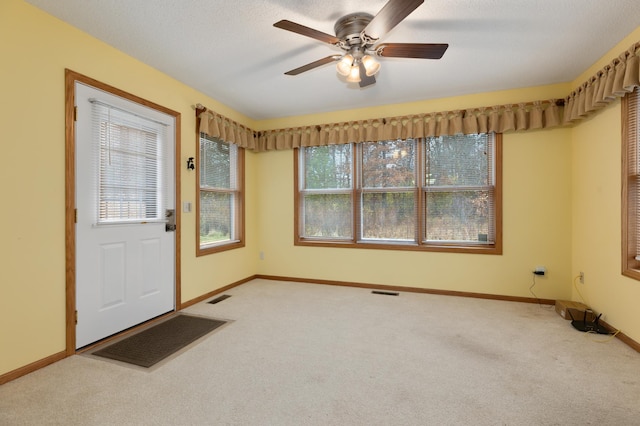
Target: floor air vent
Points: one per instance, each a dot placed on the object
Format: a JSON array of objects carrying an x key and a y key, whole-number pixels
[
  {"x": 219, "y": 299},
  {"x": 385, "y": 293}
]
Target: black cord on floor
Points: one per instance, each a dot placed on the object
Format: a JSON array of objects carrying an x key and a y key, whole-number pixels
[{"x": 533, "y": 284}]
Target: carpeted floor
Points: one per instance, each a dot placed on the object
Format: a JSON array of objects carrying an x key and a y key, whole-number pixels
[{"x": 302, "y": 354}]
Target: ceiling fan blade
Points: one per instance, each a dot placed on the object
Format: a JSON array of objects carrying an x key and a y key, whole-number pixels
[
  {"x": 314, "y": 64},
  {"x": 365, "y": 80},
  {"x": 389, "y": 16},
  {"x": 306, "y": 31},
  {"x": 411, "y": 50}
]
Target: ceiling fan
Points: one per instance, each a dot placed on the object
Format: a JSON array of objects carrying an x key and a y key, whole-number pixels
[{"x": 357, "y": 34}]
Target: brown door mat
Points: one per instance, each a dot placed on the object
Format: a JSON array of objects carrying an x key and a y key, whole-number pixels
[{"x": 154, "y": 344}]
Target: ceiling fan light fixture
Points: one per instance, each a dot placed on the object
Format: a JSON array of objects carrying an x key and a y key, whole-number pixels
[
  {"x": 370, "y": 65},
  {"x": 344, "y": 65},
  {"x": 357, "y": 34},
  {"x": 354, "y": 74}
]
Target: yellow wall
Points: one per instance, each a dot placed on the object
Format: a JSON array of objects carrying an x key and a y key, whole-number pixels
[
  {"x": 35, "y": 49},
  {"x": 596, "y": 223},
  {"x": 537, "y": 231},
  {"x": 537, "y": 214},
  {"x": 548, "y": 218}
]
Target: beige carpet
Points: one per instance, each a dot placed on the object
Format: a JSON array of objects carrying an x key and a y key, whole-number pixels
[{"x": 302, "y": 354}]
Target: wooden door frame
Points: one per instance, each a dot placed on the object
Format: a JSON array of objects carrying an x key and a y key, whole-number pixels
[{"x": 71, "y": 78}]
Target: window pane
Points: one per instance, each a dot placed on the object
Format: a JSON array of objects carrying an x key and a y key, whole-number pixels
[
  {"x": 129, "y": 175},
  {"x": 389, "y": 164},
  {"x": 327, "y": 167},
  {"x": 633, "y": 221},
  {"x": 389, "y": 216},
  {"x": 328, "y": 215},
  {"x": 631, "y": 185},
  {"x": 220, "y": 195},
  {"x": 435, "y": 194},
  {"x": 459, "y": 216},
  {"x": 129, "y": 204},
  {"x": 457, "y": 161},
  {"x": 216, "y": 159},
  {"x": 633, "y": 201},
  {"x": 216, "y": 217}
]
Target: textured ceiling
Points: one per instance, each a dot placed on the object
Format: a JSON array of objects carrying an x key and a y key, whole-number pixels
[{"x": 230, "y": 50}]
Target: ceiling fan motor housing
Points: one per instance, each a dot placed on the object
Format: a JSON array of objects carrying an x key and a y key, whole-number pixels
[{"x": 349, "y": 28}]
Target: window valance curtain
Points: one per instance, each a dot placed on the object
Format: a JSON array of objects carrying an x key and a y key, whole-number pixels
[
  {"x": 613, "y": 81},
  {"x": 499, "y": 119},
  {"x": 223, "y": 128},
  {"x": 621, "y": 76}
]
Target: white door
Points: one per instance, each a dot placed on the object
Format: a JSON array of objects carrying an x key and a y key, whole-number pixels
[{"x": 125, "y": 253}]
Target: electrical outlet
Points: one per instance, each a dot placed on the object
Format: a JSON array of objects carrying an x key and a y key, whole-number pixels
[
  {"x": 540, "y": 270},
  {"x": 581, "y": 277},
  {"x": 261, "y": 255}
]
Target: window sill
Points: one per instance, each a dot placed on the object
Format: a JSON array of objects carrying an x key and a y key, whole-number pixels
[
  {"x": 632, "y": 273},
  {"x": 495, "y": 249},
  {"x": 203, "y": 251}
]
